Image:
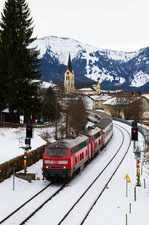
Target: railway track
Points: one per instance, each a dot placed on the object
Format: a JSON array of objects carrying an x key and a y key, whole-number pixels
[
  {"x": 78, "y": 202},
  {"x": 26, "y": 206},
  {"x": 94, "y": 203},
  {"x": 67, "y": 217},
  {"x": 21, "y": 206},
  {"x": 84, "y": 198}
]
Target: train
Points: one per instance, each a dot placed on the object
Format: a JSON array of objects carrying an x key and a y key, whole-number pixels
[{"x": 63, "y": 159}]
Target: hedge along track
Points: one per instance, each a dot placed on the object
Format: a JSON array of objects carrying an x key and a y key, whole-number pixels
[
  {"x": 90, "y": 186},
  {"x": 11, "y": 215}
]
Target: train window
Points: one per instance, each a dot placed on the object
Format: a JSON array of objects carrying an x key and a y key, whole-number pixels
[
  {"x": 61, "y": 152},
  {"x": 80, "y": 157},
  {"x": 75, "y": 160},
  {"x": 51, "y": 152},
  {"x": 58, "y": 152},
  {"x": 79, "y": 146},
  {"x": 87, "y": 141},
  {"x": 96, "y": 135}
]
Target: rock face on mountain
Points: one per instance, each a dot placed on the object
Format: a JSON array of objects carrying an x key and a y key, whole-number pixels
[{"x": 110, "y": 68}]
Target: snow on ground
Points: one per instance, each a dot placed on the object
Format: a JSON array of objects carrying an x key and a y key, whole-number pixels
[
  {"x": 10, "y": 141},
  {"x": 113, "y": 205}
]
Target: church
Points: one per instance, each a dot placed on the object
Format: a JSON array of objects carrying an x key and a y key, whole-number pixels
[
  {"x": 69, "y": 86},
  {"x": 69, "y": 78}
]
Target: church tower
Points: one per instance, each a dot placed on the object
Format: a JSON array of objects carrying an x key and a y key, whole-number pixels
[
  {"x": 69, "y": 78},
  {"x": 98, "y": 90}
]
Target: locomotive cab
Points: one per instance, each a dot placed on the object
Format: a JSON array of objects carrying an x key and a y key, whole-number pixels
[{"x": 56, "y": 162}]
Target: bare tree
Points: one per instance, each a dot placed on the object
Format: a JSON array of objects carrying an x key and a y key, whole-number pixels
[
  {"x": 60, "y": 84},
  {"x": 134, "y": 110},
  {"x": 76, "y": 115},
  {"x": 128, "y": 105}
]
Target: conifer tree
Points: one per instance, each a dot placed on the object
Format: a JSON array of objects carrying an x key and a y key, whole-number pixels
[{"x": 19, "y": 64}]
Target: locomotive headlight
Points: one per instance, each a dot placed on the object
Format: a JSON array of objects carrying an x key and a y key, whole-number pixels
[
  {"x": 62, "y": 162},
  {"x": 48, "y": 161}
]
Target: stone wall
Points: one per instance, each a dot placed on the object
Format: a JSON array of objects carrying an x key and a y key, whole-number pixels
[{"x": 6, "y": 169}]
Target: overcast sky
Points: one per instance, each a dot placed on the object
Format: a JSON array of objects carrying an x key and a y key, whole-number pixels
[{"x": 112, "y": 24}]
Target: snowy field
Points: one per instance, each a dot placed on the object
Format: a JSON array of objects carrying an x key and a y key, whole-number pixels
[
  {"x": 10, "y": 141},
  {"x": 113, "y": 205}
]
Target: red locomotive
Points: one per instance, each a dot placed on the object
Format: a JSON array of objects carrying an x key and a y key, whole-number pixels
[{"x": 63, "y": 159}]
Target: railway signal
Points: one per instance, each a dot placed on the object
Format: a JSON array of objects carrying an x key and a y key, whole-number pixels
[
  {"x": 138, "y": 162},
  {"x": 28, "y": 141},
  {"x": 134, "y": 137},
  {"x": 29, "y": 133},
  {"x": 134, "y": 133},
  {"x": 134, "y": 124}
]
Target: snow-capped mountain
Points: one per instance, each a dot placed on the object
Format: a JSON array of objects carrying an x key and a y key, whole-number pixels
[{"x": 129, "y": 69}]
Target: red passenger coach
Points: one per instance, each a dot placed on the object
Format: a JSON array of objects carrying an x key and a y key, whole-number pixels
[
  {"x": 61, "y": 160},
  {"x": 97, "y": 140},
  {"x": 96, "y": 137}
]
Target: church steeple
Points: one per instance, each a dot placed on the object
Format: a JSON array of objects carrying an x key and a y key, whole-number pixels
[
  {"x": 69, "y": 67},
  {"x": 69, "y": 78}
]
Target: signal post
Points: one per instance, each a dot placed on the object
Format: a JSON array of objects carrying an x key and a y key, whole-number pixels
[
  {"x": 29, "y": 135},
  {"x": 134, "y": 137},
  {"x": 25, "y": 143}
]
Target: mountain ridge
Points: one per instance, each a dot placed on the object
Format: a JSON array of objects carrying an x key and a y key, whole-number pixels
[{"x": 109, "y": 67}]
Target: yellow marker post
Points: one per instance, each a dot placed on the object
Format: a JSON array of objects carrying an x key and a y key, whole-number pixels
[
  {"x": 25, "y": 163},
  {"x": 138, "y": 171},
  {"x": 127, "y": 181}
]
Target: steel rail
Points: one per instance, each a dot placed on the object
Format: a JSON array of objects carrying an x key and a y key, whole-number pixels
[
  {"x": 87, "y": 214},
  {"x": 45, "y": 202},
  {"x": 66, "y": 215},
  {"x": 21, "y": 206},
  {"x": 35, "y": 211}
]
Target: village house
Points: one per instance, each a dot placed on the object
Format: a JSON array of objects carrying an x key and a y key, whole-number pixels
[{"x": 124, "y": 108}]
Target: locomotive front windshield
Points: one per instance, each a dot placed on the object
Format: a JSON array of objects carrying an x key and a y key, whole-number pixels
[
  {"x": 51, "y": 152},
  {"x": 61, "y": 152},
  {"x": 56, "y": 152}
]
